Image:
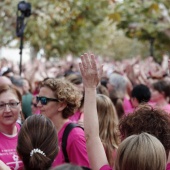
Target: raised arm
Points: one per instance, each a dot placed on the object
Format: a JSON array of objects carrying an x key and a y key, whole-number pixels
[{"x": 91, "y": 76}]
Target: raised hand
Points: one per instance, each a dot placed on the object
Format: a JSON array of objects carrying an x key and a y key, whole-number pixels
[
  {"x": 89, "y": 71},
  {"x": 168, "y": 67},
  {"x": 91, "y": 77}
]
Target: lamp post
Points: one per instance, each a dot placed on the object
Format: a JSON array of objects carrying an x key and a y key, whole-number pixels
[
  {"x": 24, "y": 9},
  {"x": 152, "y": 47}
]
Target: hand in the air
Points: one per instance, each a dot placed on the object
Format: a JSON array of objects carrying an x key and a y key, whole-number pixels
[{"x": 89, "y": 71}]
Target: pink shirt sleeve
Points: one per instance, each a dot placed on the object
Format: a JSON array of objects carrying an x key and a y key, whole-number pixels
[
  {"x": 76, "y": 147},
  {"x": 106, "y": 167},
  {"x": 168, "y": 166}
]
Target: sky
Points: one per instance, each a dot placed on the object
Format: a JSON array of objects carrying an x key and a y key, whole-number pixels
[{"x": 13, "y": 54}]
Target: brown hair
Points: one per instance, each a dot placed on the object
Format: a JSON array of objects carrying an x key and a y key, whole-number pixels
[
  {"x": 37, "y": 132},
  {"x": 75, "y": 78},
  {"x": 118, "y": 103},
  {"x": 66, "y": 92},
  {"x": 102, "y": 90},
  {"x": 145, "y": 118},
  {"x": 5, "y": 88}
]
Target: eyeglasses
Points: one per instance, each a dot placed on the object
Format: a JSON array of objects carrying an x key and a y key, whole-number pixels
[
  {"x": 12, "y": 105},
  {"x": 45, "y": 100}
]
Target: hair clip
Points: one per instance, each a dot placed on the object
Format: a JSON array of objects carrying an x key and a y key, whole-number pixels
[{"x": 37, "y": 151}]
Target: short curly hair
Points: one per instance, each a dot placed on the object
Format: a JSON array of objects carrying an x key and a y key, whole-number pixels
[
  {"x": 145, "y": 118},
  {"x": 66, "y": 92}
]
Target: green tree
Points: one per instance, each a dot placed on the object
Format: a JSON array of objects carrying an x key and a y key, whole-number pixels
[
  {"x": 68, "y": 27},
  {"x": 58, "y": 27},
  {"x": 145, "y": 20}
]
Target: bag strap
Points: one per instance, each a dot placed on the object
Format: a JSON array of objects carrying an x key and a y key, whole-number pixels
[{"x": 67, "y": 130}]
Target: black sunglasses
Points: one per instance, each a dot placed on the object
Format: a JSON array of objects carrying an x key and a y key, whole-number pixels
[{"x": 45, "y": 100}]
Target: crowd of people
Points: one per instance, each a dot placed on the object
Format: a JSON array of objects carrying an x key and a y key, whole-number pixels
[{"x": 87, "y": 113}]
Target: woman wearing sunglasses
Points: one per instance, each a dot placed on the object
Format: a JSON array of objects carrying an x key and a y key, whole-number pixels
[
  {"x": 10, "y": 109},
  {"x": 58, "y": 99}
]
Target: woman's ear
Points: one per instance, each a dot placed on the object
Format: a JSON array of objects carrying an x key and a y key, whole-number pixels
[{"x": 62, "y": 106}]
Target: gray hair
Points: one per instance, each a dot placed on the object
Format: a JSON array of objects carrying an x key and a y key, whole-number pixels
[{"x": 118, "y": 81}]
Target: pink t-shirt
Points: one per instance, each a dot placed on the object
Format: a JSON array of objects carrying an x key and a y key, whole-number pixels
[
  {"x": 166, "y": 108},
  {"x": 76, "y": 147},
  {"x": 8, "y": 152},
  {"x": 131, "y": 110},
  {"x": 127, "y": 106},
  {"x": 75, "y": 118},
  {"x": 106, "y": 167},
  {"x": 168, "y": 166}
]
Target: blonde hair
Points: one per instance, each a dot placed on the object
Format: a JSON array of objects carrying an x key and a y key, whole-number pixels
[
  {"x": 66, "y": 92},
  {"x": 108, "y": 125},
  {"x": 141, "y": 152}
]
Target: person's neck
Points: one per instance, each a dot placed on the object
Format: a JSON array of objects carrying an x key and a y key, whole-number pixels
[
  {"x": 81, "y": 109},
  {"x": 59, "y": 121},
  {"x": 9, "y": 130}
]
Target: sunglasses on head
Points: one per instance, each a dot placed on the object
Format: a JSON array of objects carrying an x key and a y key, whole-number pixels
[{"x": 45, "y": 100}]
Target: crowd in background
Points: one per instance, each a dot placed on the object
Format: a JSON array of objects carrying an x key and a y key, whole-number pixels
[
  {"x": 131, "y": 99},
  {"x": 128, "y": 73}
]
